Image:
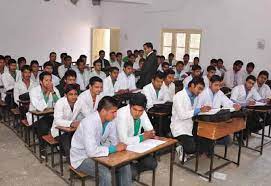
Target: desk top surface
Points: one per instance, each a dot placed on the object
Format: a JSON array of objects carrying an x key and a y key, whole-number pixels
[{"x": 120, "y": 158}]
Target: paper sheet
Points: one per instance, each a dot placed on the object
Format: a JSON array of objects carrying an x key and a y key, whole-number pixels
[
  {"x": 145, "y": 145},
  {"x": 259, "y": 103},
  {"x": 214, "y": 111}
]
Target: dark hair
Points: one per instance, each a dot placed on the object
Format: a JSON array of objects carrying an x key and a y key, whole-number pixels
[
  {"x": 220, "y": 60},
  {"x": 169, "y": 71},
  {"x": 238, "y": 62},
  {"x": 162, "y": 57},
  {"x": 141, "y": 50},
  {"x": 159, "y": 75},
  {"x": 62, "y": 55},
  {"x": 119, "y": 54},
  {"x": 67, "y": 57},
  {"x": 171, "y": 54},
  {"x": 51, "y": 53},
  {"x": 128, "y": 64},
  {"x": 70, "y": 73},
  {"x": 142, "y": 60},
  {"x": 264, "y": 72},
  {"x": 33, "y": 62},
  {"x": 82, "y": 56},
  {"x": 25, "y": 67},
  {"x": 43, "y": 74},
  {"x": 251, "y": 64},
  {"x": 80, "y": 60},
  {"x": 95, "y": 79},
  {"x": 70, "y": 87},
  {"x": 253, "y": 78},
  {"x": 164, "y": 64},
  {"x": 7, "y": 57},
  {"x": 2, "y": 57},
  {"x": 107, "y": 103},
  {"x": 101, "y": 51},
  {"x": 112, "y": 53},
  {"x": 196, "y": 81},
  {"x": 48, "y": 63},
  {"x": 11, "y": 61},
  {"x": 138, "y": 99},
  {"x": 111, "y": 69},
  {"x": 186, "y": 55},
  {"x": 20, "y": 60},
  {"x": 136, "y": 51},
  {"x": 131, "y": 55},
  {"x": 196, "y": 58},
  {"x": 209, "y": 68},
  {"x": 213, "y": 61},
  {"x": 96, "y": 62},
  {"x": 215, "y": 78},
  {"x": 179, "y": 62},
  {"x": 196, "y": 67},
  {"x": 149, "y": 45}
]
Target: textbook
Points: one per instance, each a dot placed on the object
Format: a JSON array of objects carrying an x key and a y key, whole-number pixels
[
  {"x": 216, "y": 110},
  {"x": 145, "y": 145}
]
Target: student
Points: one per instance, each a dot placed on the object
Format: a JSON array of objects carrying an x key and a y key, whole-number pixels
[
  {"x": 9, "y": 78},
  {"x": 246, "y": 94},
  {"x": 113, "y": 58},
  {"x": 96, "y": 136},
  {"x": 68, "y": 79},
  {"x": 83, "y": 74},
  {"x": 42, "y": 97},
  {"x": 126, "y": 79},
  {"x": 55, "y": 64},
  {"x": 141, "y": 54},
  {"x": 66, "y": 66},
  {"x": 262, "y": 88},
  {"x": 165, "y": 66},
  {"x": 83, "y": 58},
  {"x": 221, "y": 67},
  {"x": 97, "y": 71},
  {"x": 130, "y": 122},
  {"x": 118, "y": 63},
  {"x": 90, "y": 98},
  {"x": 7, "y": 58},
  {"x": 23, "y": 85},
  {"x": 34, "y": 65},
  {"x": 196, "y": 72},
  {"x": 104, "y": 62},
  {"x": 2, "y": 70},
  {"x": 196, "y": 61},
  {"x": 168, "y": 83},
  {"x": 187, "y": 65},
  {"x": 214, "y": 63},
  {"x": 110, "y": 82},
  {"x": 66, "y": 112},
  {"x": 132, "y": 58},
  {"x": 155, "y": 93},
  {"x": 183, "y": 110},
  {"x": 233, "y": 77},
  {"x": 126, "y": 58},
  {"x": 21, "y": 62},
  {"x": 138, "y": 57},
  {"x": 48, "y": 67},
  {"x": 171, "y": 61},
  {"x": 248, "y": 71},
  {"x": 179, "y": 71},
  {"x": 210, "y": 72},
  {"x": 62, "y": 58}
]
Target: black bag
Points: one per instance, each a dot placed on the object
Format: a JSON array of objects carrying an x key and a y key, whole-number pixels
[
  {"x": 24, "y": 97},
  {"x": 260, "y": 107},
  {"x": 239, "y": 114},
  {"x": 165, "y": 108},
  {"x": 222, "y": 115}
]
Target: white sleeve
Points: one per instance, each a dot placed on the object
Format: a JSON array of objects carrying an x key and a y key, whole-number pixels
[
  {"x": 256, "y": 95},
  {"x": 179, "y": 106},
  {"x": 132, "y": 83},
  {"x": 146, "y": 123},
  {"x": 59, "y": 116},
  {"x": 147, "y": 93},
  {"x": 234, "y": 94},
  {"x": 225, "y": 101},
  {"x": 16, "y": 93},
  {"x": 37, "y": 101}
]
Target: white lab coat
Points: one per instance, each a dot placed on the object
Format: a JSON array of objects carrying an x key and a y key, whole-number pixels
[
  {"x": 152, "y": 97},
  {"x": 37, "y": 102},
  {"x": 182, "y": 113},
  {"x": 55, "y": 80},
  {"x": 187, "y": 80},
  {"x": 86, "y": 100},
  {"x": 82, "y": 78},
  {"x": 238, "y": 94},
  {"x": 9, "y": 82},
  {"x": 229, "y": 78},
  {"x": 187, "y": 67},
  {"x": 61, "y": 71},
  {"x": 89, "y": 140},
  {"x": 108, "y": 87},
  {"x": 101, "y": 75},
  {"x": 245, "y": 74},
  {"x": 36, "y": 79},
  {"x": 125, "y": 125},
  {"x": 116, "y": 64},
  {"x": 264, "y": 90},
  {"x": 63, "y": 115},
  {"x": 20, "y": 88},
  {"x": 170, "y": 90},
  {"x": 180, "y": 76},
  {"x": 206, "y": 81},
  {"x": 125, "y": 82},
  {"x": 207, "y": 98}
]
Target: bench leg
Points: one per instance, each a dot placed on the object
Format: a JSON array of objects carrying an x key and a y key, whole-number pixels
[
  {"x": 71, "y": 178},
  {"x": 83, "y": 181},
  {"x": 52, "y": 156}
]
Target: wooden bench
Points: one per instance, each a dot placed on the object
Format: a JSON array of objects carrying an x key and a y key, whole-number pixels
[
  {"x": 52, "y": 143},
  {"x": 80, "y": 175}
]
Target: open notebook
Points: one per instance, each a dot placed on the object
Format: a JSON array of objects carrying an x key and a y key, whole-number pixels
[
  {"x": 145, "y": 145},
  {"x": 214, "y": 111}
]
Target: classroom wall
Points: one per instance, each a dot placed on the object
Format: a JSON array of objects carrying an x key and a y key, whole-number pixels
[
  {"x": 230, "y": 28},
  {"x": 33, "y": 28}
]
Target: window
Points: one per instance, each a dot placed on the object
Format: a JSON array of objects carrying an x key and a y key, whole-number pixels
[{"x": 180, "y": 42}]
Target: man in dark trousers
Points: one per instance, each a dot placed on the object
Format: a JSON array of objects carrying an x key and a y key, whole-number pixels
[{"x": 149, "y": 67}]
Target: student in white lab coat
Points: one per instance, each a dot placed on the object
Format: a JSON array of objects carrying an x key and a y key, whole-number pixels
[
  {"x": 42, "y": 97},
  {"x": 187, "y": 64},
  {"x": 155, "y": 93},
  {"x": 179, "y": 71},
  {"x": 183, "y": 110},
  {"x": 48, "y": 67},
  {"x": 221, "y": 67},
  {"x": 83, "y": 75},
  {"x": 69, "y": 78},
  {"x": 214, "y": 63},
  {"x": 34, "y": 65},
  {"x": 233, "y": 77},
  {"x": 96, "y": 136},
  {"x": 110, "y": 81},
  {"x": 164, "y": 67},
  {"x": 210, "y": 72},
  {"x": 171, "y": 61},
  {"x": 2, "y": 70},
  {"x": 168, "y": 83},
  {"x": 64, "y": 67},
  {"x": 196, "y": 72},
  {"x": 126, "y": 79},
  {"x": 91, "y": 97},
  {"x": 262, "y": 88},
  {"x": 248, "y": 71},
  {"x": 130, "y": 120},
  {"x": 66, "y": 113},
  {"x": 118, "y": 63},
  {"x": 97, "y": 71}
]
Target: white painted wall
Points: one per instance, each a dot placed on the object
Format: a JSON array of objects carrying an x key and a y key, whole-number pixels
[
  {"x": 33, "y": 28},
  {"x": 230, "y": 27}
]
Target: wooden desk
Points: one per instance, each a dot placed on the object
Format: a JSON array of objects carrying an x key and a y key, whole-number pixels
[
  {"x": 119, "y": 159},
  {"x": 159, "y": 115}
]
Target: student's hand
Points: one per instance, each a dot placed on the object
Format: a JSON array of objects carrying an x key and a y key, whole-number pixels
[
  {"x": 149, "y": 134},
  {"x": 75, "y": 124},
  {"x": 205, "y": 108},
  {"x": 251, "y": 102},
  {"x": 51, "y": 87},
  {"x": 237, "y": 107},
  {"x": 121, "y": 147}
]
